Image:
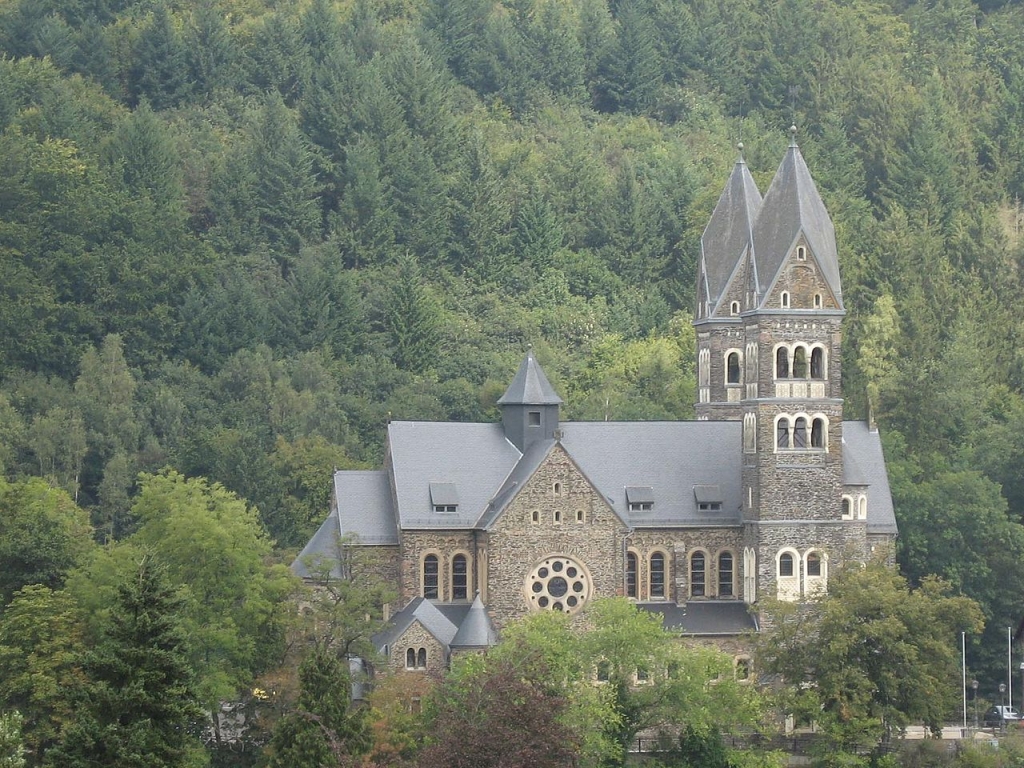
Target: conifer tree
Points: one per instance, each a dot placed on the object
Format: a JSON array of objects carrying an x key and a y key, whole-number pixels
[
  {"x": 139, "y": 702},
  {"x": 325, "y": 726}
]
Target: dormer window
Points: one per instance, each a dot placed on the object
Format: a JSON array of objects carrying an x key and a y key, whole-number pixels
[
  {"x": 444, "y": 498},
  {"x": 708, "y": 498},
  {"x": 640, "y": 498}
]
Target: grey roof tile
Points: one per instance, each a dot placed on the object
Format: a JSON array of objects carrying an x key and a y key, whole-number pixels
[
  {"x": 476, "y": 457},
  {"x": 365, "y": 511},
  {"x": 792, "y": 205},
  {"x": 530, "y": 386},
  {"x": 476, "y": 630},
  {"x": 320, "y": 550},
  {"x": 865, "y": 446},
  {"x": 418, "y": 609},
  {"x": 670, "y": 457},
  {"x": 704, "y": 617},
  {"x": 729, "y": 233}
]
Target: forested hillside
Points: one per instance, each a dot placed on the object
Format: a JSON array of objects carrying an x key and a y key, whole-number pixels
[{"x": 236, "y": 236}]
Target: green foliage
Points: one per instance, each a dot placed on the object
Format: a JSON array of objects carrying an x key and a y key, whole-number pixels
[
  {"x": 869, "y": 657},
  {"x": 43, "y": 535},
  {"x": 41, "y": 647},
  {"x": 11, "y": 749},
  {"x": 325, "y": 725},
  {"x": 140, "y": 700}
]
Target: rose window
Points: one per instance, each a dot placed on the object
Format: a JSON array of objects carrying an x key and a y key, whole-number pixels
[{"x": 559, "y": 583}]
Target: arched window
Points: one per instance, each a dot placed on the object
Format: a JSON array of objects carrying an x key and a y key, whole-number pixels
[
  {"x": 460, "y": 578},
  {"x": 734, "y": 308},
  {"x": 725, "y": 572},
  {"x": 784, "y": 299},
  {"x": 818, "y": 433},
  {"x": 782, "y": 433},
  {"x": 698, "y": 575},
  {"x": 817, "y": 363},
  {"x": 430, "y": 572},
  {"x": 631, "y": 575},
  {"x": 421, "y": 658},
  {"x": 800, "y": 433},
  {"x": 813, "y": 564},
  {"x": 743, "y": 668},
  {"x": 410, "y": 658},
  {"x": 800, "y": 363},
  {"x": 581, "y": 516},
  {"x": 801, "y": 253},
  {"x": 785, "y": 564},
  {"x": 733, "y": 368},
  {"x": 847, "y": 508},
  {"x": 862, "y": 508},
  {"x": 535, "y": 516},
  {"x": 817, "y": 301},
  {"x": 657, "y": 575},
  {"x": 782, "y": 363}
]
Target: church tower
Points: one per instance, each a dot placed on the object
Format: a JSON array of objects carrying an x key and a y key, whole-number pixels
[{"x": 769, "y": 342}]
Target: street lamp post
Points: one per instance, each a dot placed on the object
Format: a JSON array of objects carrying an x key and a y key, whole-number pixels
[
  {"x": 1002, "y": 711},
  {"x": 974, "y": 687}
]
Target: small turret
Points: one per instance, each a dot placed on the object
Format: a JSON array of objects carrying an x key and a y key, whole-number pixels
[{"x": 529, "y": 407}]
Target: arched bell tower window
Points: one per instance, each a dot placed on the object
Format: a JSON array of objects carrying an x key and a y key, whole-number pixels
[
  {"x": 817, "y": 363},
  {"x": 734, "y": 308},
  {"x": 732, "y": 365},
  {"x": 799, "y": 363},
  {"x": 818, "y": 433},
  {"x": 801, "y": 253},
  {"x": 800, "y": 433},
  {"x": 817, "y": 301},
  {"x": 782, "y": 363},
  {"x": 784, "y": 299}
]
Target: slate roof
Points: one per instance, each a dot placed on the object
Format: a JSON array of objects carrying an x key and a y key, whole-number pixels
[
  {"x": 476, "y": 630},
  {"x": 729, "y": 233},
  {"x": 475, "y": 457},
  {"x": 681, "y": 462},
  {"x": 530, "y": 386},
  {"x": 704, "y": 617},
  {"x": 865, "y": 445},
  {"x": 427, "y": 614},
  {"x": 792, "y": 205},
  {"x": 365, "y": 511},
  {"x": 322, "y": 547}
]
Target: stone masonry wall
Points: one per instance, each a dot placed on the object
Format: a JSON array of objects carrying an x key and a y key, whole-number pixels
[
  {"x": 516, "y": 544},
  {"x": 445, "y": 544},
  {"x": 416, "y": 637}
]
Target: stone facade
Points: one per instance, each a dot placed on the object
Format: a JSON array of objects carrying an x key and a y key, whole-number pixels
[
  {"x": 557, "y": 512},
  {"x": 765, "y": 509}
]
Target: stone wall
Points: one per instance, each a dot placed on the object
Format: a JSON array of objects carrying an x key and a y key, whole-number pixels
[
  {"x": 416, "y": 637},
  {"x": 571, "y": 519},
  {"x": 445, "y": 544}
]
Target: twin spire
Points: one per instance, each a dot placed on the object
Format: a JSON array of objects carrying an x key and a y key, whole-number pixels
[{"x": 751, "y": 238}]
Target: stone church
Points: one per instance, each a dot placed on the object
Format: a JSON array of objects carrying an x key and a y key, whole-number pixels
[{"x": 477, "y": 524}]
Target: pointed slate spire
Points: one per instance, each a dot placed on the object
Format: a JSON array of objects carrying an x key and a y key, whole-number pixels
[
  {"x": 728, "y": 236},
  {"x": 476, "y": 631},
  {"x": 793, "y": 206},
  {"x": 530, "y": 386},
  {"x": 529, "y": 407}
]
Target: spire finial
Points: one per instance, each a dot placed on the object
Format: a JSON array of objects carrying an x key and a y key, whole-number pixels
[
  {"x": 739, "y": 148},
  {"x": 792, "y": 135}
]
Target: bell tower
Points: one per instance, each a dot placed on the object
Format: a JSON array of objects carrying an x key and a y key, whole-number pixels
[{"x": 769, "y": 342}]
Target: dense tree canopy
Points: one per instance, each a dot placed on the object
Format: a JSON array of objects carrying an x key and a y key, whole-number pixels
[{"x": 236, "y": 237}]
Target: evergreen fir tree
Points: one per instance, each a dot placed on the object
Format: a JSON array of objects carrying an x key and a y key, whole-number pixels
[
  {"x": 159, "y": 72},
  {"x": 324, "y": 727},
  {"x": 139, "y": 702}
]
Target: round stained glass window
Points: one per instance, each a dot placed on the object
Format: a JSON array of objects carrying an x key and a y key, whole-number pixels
[{"x": 558, "y": 583}]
